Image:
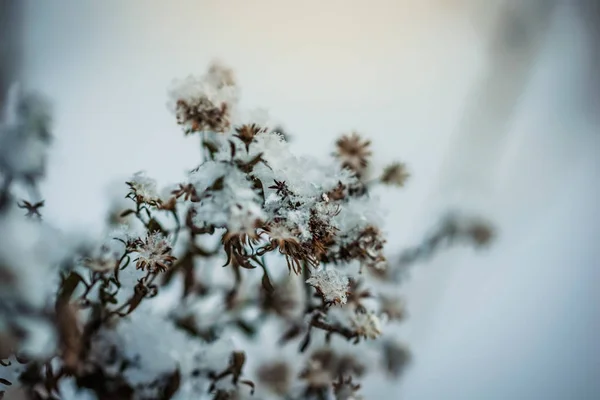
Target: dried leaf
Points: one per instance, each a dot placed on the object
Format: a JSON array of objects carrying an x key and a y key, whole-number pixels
[{"x": 238, "y": 359}]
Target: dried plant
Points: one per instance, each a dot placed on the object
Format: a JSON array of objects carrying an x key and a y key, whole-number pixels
[{"x": 263, "y": 275}]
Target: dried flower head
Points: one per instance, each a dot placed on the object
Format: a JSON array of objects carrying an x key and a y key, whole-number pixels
[
  {"x": 247, "y": 132},
  {"x": 143, "y": 189},
  {"x": 371, "y": 242},
  {"x": 205, "y": 104},
  {"x": 353, "y": 152},
  {"x": 154, "y": 253},
  {"x": 283, "y": 239},
  {"x": 395, "y": 174},
  {"x": 365, "y": 245},
  {"x": 203, "y": 115},
  {"x": 337, "y": 193}
]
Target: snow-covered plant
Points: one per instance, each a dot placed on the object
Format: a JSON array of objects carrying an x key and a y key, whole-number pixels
[{"x": 262, "y": 275}]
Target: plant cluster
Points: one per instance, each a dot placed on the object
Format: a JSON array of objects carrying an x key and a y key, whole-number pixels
[{"x": 262, "y": 275}]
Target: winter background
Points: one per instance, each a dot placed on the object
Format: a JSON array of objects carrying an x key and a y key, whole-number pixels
[{"x": 511, "y": 133}]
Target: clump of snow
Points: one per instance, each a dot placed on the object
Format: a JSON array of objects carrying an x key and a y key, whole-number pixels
[
  {"x": 304, "y": 176},
  {"x": 152, "y": 345},
  {"x": 330, "y": 284},
  {"x": 144, "y": 187},
  {"x": 31, "y": 251},
  {"x": 359, "y": 213},
  {"x": 224, "y": 204}
]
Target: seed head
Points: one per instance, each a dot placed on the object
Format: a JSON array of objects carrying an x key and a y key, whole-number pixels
[
  {"x": 247, "y": 132},
  {"x": 353, "y": 152},
  {"x": 154, "y": 253},
  {"x": 395, "y": 175},
  {"x": 142, "y": 189}
]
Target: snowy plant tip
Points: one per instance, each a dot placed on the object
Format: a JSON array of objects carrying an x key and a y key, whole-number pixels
[
  {"x": 143, "y": 189},
  {"x": 205, "y": 104}
]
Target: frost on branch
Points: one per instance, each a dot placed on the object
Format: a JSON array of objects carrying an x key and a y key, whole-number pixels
[{"x": 264, "y": 274}]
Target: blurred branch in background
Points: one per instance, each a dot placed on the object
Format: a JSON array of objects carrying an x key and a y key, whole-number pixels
[
  {"x": 10, "y": 44},
  {"x": 454, "y": 229},
  {"x": 514, "y": 47}
]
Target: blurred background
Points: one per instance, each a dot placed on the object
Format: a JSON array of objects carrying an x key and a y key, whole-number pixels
[{"x": 494, "y": 105}]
